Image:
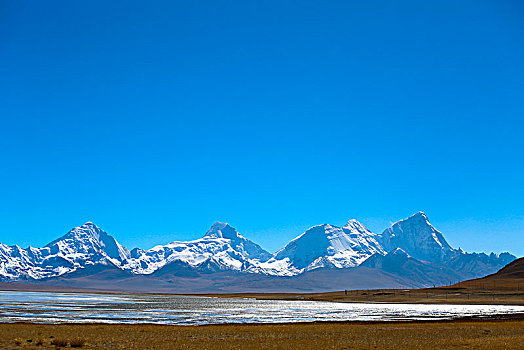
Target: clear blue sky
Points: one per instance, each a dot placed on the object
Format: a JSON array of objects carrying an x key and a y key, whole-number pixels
[{"x": 155, "y": 119}]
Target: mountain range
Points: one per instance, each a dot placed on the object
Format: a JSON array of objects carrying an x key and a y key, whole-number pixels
[{"x": 410, "y": 253}]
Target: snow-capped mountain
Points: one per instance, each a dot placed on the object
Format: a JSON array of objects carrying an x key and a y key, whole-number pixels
[
  {"x": 325, "y": 246},
  {"x": 86, "y": 242},
  {"x": 82, "y": 246},
  {"x": 418, "y": 237},
  {"x": 411, "y": 249},
  {"x": 221, "y": 248}
]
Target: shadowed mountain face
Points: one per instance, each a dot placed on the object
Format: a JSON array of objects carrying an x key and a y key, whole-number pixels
[
  {"x": 478, "y": 264},
  {"x": 398, "y": 262},
  {"x": 410, "y": 253}
]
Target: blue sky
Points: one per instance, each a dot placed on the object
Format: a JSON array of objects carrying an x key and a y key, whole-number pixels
[{"x": 156, "y": 119}]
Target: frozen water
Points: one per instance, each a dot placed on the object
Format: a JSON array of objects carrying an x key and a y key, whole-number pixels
[{"x": 40, "y": 307}]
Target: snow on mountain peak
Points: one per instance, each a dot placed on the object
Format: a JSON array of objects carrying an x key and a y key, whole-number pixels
[
  {"x": 418, "y": 237},
  {"x": 224, "y": 248},
  {"x": 82, "y": 246},
  {"x": 324, "y": 245},
  {"x": 222, "y": 230},
  {"x": 87, "y": 241},
  {"x": 218, "y": 225},
  {"x": 355, "y": 225},
  {"x": 419, "y": 216}
]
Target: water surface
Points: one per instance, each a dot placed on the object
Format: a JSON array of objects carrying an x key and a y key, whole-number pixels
[{"x": 45, "y": 307}]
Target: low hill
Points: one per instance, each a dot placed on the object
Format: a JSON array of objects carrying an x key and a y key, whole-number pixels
[
  {"x": 509, "y": 278},
  {"x": 514, "y": 269}
]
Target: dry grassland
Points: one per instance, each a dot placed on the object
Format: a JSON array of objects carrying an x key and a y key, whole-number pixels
[{"x": 507, "y": 334}]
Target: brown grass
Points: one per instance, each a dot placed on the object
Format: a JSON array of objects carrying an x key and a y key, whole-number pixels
[{"x": 507, "y": 334}]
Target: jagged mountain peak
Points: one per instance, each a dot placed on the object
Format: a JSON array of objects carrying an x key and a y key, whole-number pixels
[
  {"x": 421, "y": 221},
  {"x": 356, "y": 226},
  {"x": 222, "y": 230},
  {"x": 418, "y": 237},
  {"x": 83, "y": 232},
  {"x": 90, "y": 240},
  {"x": 354, "y": 223},
  {"x": 420, "y": 213},
  {"x": 419, "y": 217},
  {"x": 217, "y": 225},
  {"x": 239, "y": 243},
  {"x": 89, "y": 225}
]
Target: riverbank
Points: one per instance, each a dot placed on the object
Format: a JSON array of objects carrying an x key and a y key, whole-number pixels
[{"x": 466, "y": 334}]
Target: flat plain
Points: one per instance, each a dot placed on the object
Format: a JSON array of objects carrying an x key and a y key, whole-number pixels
[{"x": 462, "y": 334}]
